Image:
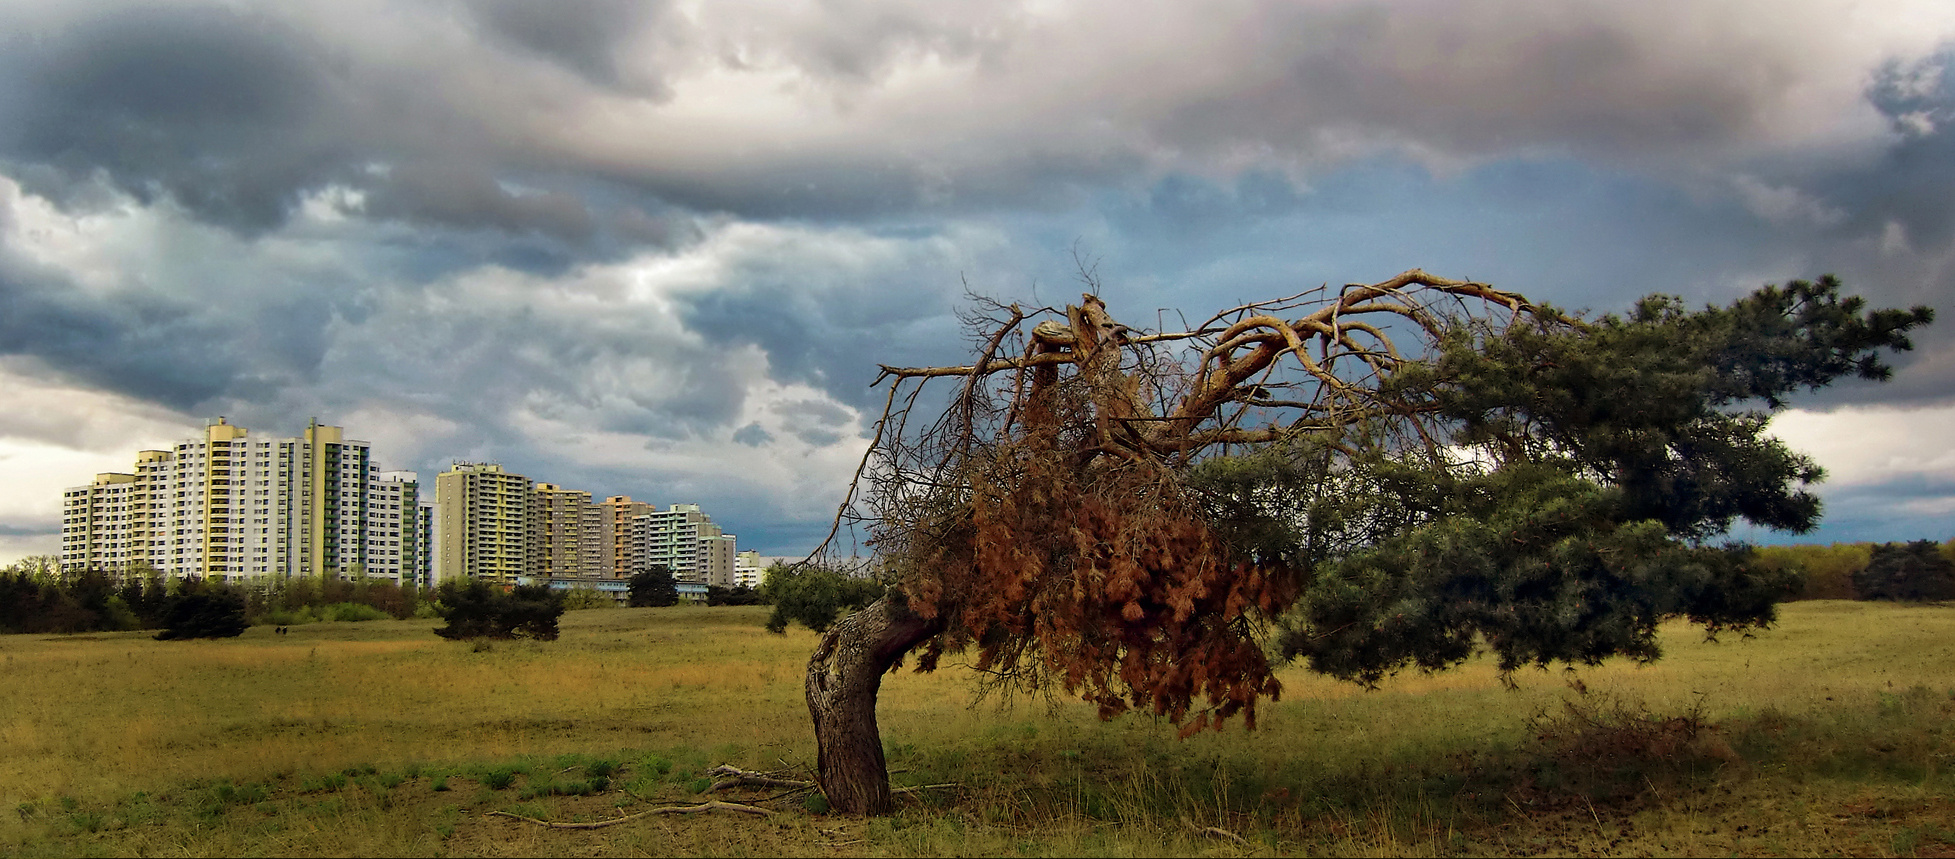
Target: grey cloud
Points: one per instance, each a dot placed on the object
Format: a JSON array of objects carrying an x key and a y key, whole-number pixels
[
  {"x": 238, "y": 114},
  {"x": 175, "y": 350},
  {"x": 817, "y": 437},
  {"x": 219, "y": 110},
  {"x": 466, "y": 197},
  {"x": 584, "y": 37},
  {"x": 145, "y": 345},
  {"x": 821, "y": 412},
  {"x": 1908, "y": 185},
  {"x": 7, "y": 530},
  {"x": 752, "y": 435}
]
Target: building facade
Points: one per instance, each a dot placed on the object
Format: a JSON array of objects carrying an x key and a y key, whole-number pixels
[
  {"x": 484, "y": 524},
  {"x": 565, "y": 533},
  {"x": 683, "y": 539},
  {"x": 614, "y": 538},
  {"x": 232, "y": 507}
]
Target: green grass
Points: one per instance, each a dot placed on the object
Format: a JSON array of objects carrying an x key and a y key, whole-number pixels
[{"x": 1833, "y": 733}]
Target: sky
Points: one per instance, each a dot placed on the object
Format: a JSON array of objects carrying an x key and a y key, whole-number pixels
[{"x": 658, "y": 248}]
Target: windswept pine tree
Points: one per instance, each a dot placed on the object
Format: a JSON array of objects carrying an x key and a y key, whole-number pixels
[{"x": 1383, "y": 475}]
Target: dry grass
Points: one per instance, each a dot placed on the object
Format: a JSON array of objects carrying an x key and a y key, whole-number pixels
[{"x": 1833, "y": 734}]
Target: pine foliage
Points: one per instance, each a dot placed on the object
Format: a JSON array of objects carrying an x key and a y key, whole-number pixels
[
  {"x": 653, "y": 587},
  {"x": 1907, "y": 572},
  {"x": 1396, "y": 474},
  {"x": 478, "y": 609}
]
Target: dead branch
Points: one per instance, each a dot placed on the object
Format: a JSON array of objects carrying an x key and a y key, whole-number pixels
[
  {"x": 922, "y": 787},
  {"x": 714, "y": 805},
  {"x": 727, "y": 775},
  {"x": 1215, "y": 832}
]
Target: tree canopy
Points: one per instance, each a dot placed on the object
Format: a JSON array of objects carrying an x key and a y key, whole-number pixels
[
  {"x": 1907, "y": 572},
  {"x": 478, "y": 609},
  {"x": 1394, "y": 473},
  {"x": 653, "y": 586}
]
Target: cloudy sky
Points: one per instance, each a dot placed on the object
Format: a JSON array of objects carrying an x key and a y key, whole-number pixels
[{"x": 658, "y": 248}]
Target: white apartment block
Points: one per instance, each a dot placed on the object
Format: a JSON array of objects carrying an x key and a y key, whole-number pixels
[
  {"x": 230, "y": 506},
  {"x": 748, "y": 569}
]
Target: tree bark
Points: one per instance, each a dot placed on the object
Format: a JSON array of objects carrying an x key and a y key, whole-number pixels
[{"x": 844, "y": 677}]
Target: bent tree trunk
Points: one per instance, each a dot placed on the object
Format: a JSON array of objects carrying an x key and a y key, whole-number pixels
[{"x": 844, "y": 677}]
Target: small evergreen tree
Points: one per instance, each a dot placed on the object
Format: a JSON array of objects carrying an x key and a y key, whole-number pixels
[
  {"x": 1911, "y": 572},
  {"x": 654, "y": 587},
  {"x": 815, "y": 595},
  {"x": 477, "y": 609},
  {"x": 201, "y": 610},
  {"x": 736, "y": 595}
]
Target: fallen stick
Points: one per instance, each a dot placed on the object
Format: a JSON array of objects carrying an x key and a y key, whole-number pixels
[
  {"x": 731, "y": 776},
  {"x": 1215, "y": 832},
  {"x": 714, "y": 805}
]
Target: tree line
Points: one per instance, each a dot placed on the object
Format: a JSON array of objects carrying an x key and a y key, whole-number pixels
[
  {"x": 36, "y": 596},
  {"x": 1920, "y": 570}
]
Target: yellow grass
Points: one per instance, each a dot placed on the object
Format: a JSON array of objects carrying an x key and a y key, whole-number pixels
[{"x": 108, "y": 743}]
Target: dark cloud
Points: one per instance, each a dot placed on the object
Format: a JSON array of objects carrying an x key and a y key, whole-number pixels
[
  {"x": 228, "y": 113},
  {"x": 1891, "y": 511},
  {"x": 752, "y": 435},
  {"x": 515, "y": 221},
  {"x": 585, "y": 37},
  {"x": 460, "y": 196},
  {"x": 146, "y": 345},
  {"x": 820, "y": 412},
  {"x": 7, "y": 530}
]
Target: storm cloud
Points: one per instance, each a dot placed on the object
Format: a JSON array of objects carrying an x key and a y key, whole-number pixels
[{"x": 659, "y": 248}]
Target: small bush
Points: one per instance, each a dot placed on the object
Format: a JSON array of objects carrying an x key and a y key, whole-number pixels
[
  {"x": 348, "y": 612},
  {"x": 1599, "y": 747}
]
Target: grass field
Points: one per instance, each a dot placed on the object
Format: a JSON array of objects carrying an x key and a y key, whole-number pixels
[{"x": 1833, "y": 733}]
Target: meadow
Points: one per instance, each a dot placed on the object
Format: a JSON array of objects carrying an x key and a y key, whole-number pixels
[{"x": 1832, "y": 733}]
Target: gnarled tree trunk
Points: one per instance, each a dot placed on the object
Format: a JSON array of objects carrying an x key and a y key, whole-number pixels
[{"x": 844, "y": 677}]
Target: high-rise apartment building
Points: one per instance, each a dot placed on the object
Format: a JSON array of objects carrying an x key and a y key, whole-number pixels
[
  {"x": 398, "y": 533},
  {"x": 747, "y": 569},
  {"x": 231, "y": 506},
  {"x": 485, "y": 521},
  {"x": 565, "y": 533},
  {"x": 684, "y": 540},
  {"x": 614, "y": 536}
]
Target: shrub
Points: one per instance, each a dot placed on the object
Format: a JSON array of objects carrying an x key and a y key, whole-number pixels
[
  {"x": 477, "y": 609},
  {"x": 1913, "y": 572},
  {"x": 736, "y": 595},
  {"x": 1825, "y": 572},
  {"x": 350, "y": 612},
  {"x": 204, "y": 611},
  {"x": 1603, "y": 748},
  {"x": 585, "y": 597},
  {"x": 815, "y": 595},
  {"x": 654, "y": 587}
]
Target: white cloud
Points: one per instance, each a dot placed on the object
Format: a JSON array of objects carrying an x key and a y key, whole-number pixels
[
  {"x": 54, "y": 436},
  {"x": 1869, "y": 445}
]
